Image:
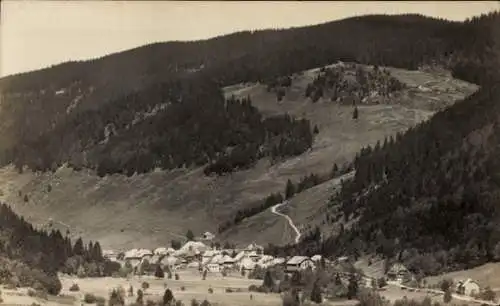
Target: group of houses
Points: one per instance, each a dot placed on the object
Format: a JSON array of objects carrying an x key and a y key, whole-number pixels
[
  {"x": 400, "y": 273},
  {"x": 195, "y": 254}
]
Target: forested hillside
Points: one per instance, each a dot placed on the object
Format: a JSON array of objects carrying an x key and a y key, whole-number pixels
[
  {"x": 31, "y": 257},
  {"x": 429, "y": 197},
  {"x": 88, "y": 98},
  {"x": 227, "y": 135}
]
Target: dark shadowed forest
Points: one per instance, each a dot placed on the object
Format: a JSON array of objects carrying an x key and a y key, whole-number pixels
[{"x": 429, "y": 196}]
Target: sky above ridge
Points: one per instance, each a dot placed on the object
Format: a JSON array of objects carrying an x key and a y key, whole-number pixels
[{"x": 37, "y": 34}]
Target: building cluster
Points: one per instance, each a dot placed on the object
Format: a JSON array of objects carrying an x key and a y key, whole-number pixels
[{"x": 197, "y": 255}]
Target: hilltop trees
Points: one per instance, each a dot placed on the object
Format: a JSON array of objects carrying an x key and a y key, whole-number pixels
[
  {"x": 31, "y": 256},
  {"x": 190, "y": 235}
]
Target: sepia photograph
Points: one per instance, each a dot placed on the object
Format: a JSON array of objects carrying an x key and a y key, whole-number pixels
[{"x": 249, "y": 153}]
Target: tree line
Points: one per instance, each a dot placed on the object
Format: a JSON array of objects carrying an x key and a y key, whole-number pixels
[
  {"x": 30, "y": 256},
  {"x": 290, "y": 191},
  {"x": 227, "y": 135}
]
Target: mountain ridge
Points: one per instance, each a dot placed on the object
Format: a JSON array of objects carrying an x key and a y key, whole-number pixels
[{"x": 197, "y": 73}]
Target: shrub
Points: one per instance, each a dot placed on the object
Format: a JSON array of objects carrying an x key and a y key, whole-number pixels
[
  {"x": 447, "y": 296},
  {"x": 446, "y": 284},
  {"x": 205, "y": 303},
  {"x": 183, "y": 288},
  {"x": 229, "y": 290},
  {"x": 290, "y": 300},
  {"x": 382, "y": 282},
  {"x": 179, "y": 303},
  {"x": 253, "y": 288},
  {"x": 116, "y": 298},
  {"x": 100, "y": 301},
  {"x": 145, "y": 286},
  {"x": 37, "y": 293},
  {"x": 177, "y": 276},
  {"x": 168, "y": 297},
  {"x": 74, "y": 287},
  {"x": 159, "y": 272},
  {"x": 194, "y": 302},
  {"x": 140, "y": 297},
  {"x": 210, "y": 290},
  {"x": 89, "y": 298},
  {"x": 487, "y": 294}
]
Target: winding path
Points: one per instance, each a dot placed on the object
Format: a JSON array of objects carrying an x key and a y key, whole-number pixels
[{"x": 290, "y": 221}]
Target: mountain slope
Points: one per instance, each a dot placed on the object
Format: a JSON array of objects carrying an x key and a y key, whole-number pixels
[
  {"x": 52, "y": 97},
  {"x": 429, "y": 197},
  {"x": 161, "y": 206},
  {"x": 149, "y": 118}
]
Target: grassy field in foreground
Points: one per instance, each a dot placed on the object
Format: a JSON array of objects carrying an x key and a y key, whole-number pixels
[{"x": 189, "y": 286}]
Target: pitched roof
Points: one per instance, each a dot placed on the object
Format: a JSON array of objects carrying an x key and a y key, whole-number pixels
[
  {"x": 297, "y": 260},
  {"x": 247, "y": 263},
  {"x": 398, "y": 268}
]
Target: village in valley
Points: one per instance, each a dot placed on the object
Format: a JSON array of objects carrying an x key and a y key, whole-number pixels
[{"x": 207, "y": 261}]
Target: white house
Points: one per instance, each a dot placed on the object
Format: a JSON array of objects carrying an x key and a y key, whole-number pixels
[
  {"x": 316, "y": 258},
  {"x": 399, "y": 273},
  {"x": 468, "y": 287},
  {"x": 228, "y": 261},
  {"x": 254, "y": 247},
  {"x": 278, "y": 261},
  {"x": 239, "y": 257},
  {"x": 170, "y": 261},
  {"x": 215, "y": 263},
  {"x": 161, "y": 251},
  {"x": 246, "y": 264},
  {"x": 253, "y": 256},
  {"x": 265, "y": 261},
  {"x": 192, "y": 246},
  {"x": 298, "y": 263},
  {"x": 110, "y": 255}
]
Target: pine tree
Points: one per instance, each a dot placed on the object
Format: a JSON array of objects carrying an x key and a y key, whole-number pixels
[
  {"x": 352, "y": 288},
  {"x": 268, "y": 280},
  {"x": 289, "y": 190},
  {"x": 316, "y": 293},
  {"x": 78, "y": 248},
  {"x": 355, "y": 113},
  {"x": 168, "y": 297},
  {"x": 159, "y": 272},
  {"x": 140, "y": 297},
  {"x": 97, "y": 252},
  {"x": 190, "y": 235}
]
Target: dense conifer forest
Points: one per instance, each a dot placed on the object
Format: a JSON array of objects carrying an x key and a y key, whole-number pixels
[
  {"x": 32, "y": 257},
  {"x": 112, "y": 119},
  {"x": 428, "y": 197},
  {"x": 196, "y": 127}
]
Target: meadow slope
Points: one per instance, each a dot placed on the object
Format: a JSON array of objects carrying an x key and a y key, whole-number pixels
[{"x": 151, "y": 209}]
